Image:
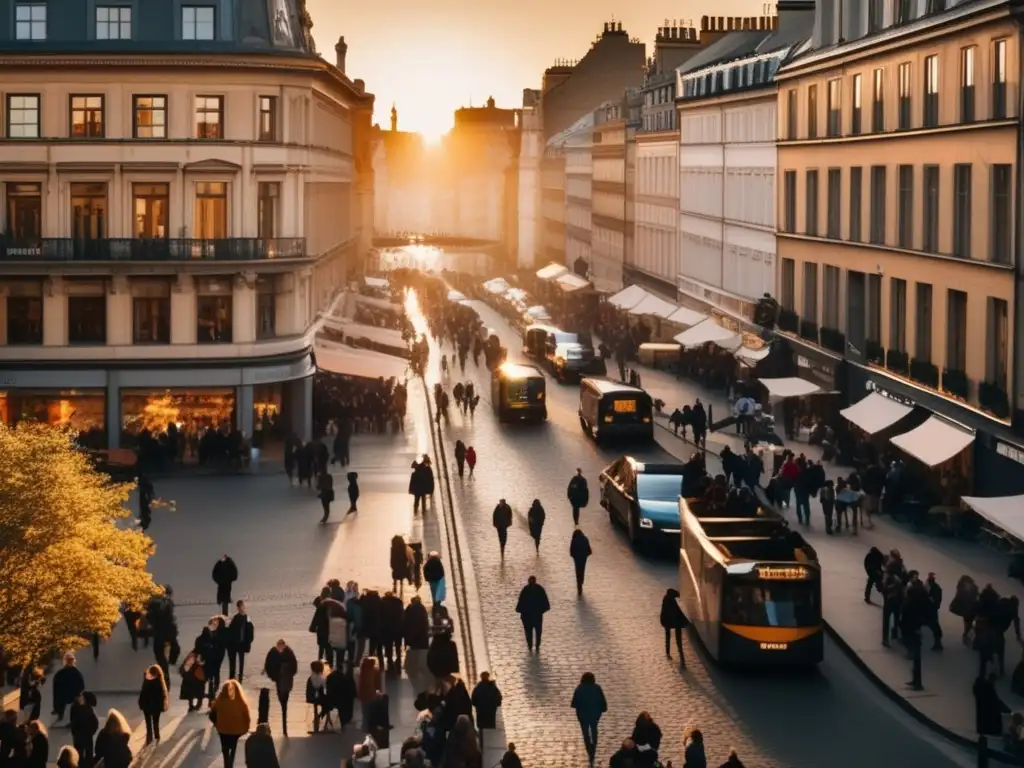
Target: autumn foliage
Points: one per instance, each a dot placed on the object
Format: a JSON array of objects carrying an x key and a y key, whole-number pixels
[{"x": 67, "y": 558}]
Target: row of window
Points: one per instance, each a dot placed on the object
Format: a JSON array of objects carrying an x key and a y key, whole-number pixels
[
  {"x": 114, "y": 22},
  {"x": 1000, "y": 214},
  {"x": 905, "y": 120},
  {"x": 87, "y": 117},
  {"x": 957, "y": 333},
  {"x": 660, "y": 121},
  {"x": 151, "y": 319}
]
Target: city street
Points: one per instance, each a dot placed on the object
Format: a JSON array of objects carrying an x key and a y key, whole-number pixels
[{"x": 835, "y": 718}]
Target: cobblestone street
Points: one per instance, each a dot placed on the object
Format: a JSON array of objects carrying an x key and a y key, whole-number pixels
[{"x": 834, "y": 719}]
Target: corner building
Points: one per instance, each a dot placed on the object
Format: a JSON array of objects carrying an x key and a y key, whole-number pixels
[
  {"x": 897, "y": 213},
  {"x": 183, "y": 187}
]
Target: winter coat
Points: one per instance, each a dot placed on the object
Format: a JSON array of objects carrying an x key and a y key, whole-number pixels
[
  {"x": 443, "y": 656},
  {"x": 39, "y": 752},
  {"x": 210, "y": 645},
  {"x": 535, "y": 518},
  {"x": 337, "y": 632},
  {"x": 231, "y": 716},
  {"x": 471, "y": 456},
  {"x": 316, "y": 690},
  {"x": 281, "y": 667},
  {"x": 153, "y": 697},
  {"x": 589, "y": 702},
  {"x": 371, "y": 605},
  {"x": 433, "y": 569},
  {"x": 578, "y": 492},
  {"x": 341, "y": 693},
  {"x": 84, "y": 723},
  {"x": 240, "y": 634},
  {"x": 579, "y": 547},
  {"x": 113, "y": 749},
  {"x": 225, "y": 573},
  {"x": 533, "y": 602},
  {"x": 874, "y": 560},
  {"x": 260, "y": 752},
  {"x": 988, "y": 708},
  {"x": 193, "y": 683},
  {"x": 416, "y": 626},
  {"x": 401, "y": 564},
  {"x": 486, "y": 700},
  {"x": 67, "y": 684},
  {"x": 694, "y": 756},
  {"x": 391, "y": 613},
  {"x": 672, "y": 616},
  {"x": 502, "y": 517}
]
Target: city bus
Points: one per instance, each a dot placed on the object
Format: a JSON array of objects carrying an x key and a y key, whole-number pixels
[
  {"x": 751, "y": 588},
  {"x": 518, "y": 393},
  {"x": 611, "y": 412}
]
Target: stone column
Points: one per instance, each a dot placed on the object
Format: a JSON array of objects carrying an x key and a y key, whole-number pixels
[
  {"x": 183, "y": 310},
  {"x": 243, "y": 308},
  {"x": 243, "y": 409},
  {"x": 113, "y": 416},
  {"x": 119, "y": 311},
  {"x": 55, "y": 313},
  {"x": 301, "y": 411}
]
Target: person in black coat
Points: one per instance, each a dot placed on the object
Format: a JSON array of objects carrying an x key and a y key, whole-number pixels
[
  {"x": 433, "y": 572},
  {"x": 68, "y": 683},
  {"x": 10, "y": 737},
  {"x": 341, "y": 694},
  {"x": 874, "y": 562},
  {"x": 163, "y": 626},
  {"x": 392, "y": 612},
  {"x": 486, "y": 699},
  {"x": 153, "y": 701},
  {"x": 502, "y": 521},
  {"x": 225, "y": 573},
  {"x": 988, "y": 707},
  {"x": 578, "y": 494},
  {"x": 210, "y": 645},
  {"x": 460, "y": 457},
  {"x": 579, "y": 551},
  {"x": 532, "y": 605},
  {"x": 84, "y": 725},
  {"x": 443, "y": 655},
  {"x": 535, "y": 519},
  {"x": 372, "y": 631},
  {"x": 673, "y": 619},
  {"x": 38, "y": 746},
  {"x": 238, "y": 641}
]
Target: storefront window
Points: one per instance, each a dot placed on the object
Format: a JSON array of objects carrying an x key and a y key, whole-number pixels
[
  {"x": 266, "y": 409},
  {"x": 82, "y": 412},
  {"x": 24, "y": 320},
  {"x": 191, "y": 412}
]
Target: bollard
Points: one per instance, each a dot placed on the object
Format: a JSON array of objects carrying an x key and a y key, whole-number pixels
[{"x": 982, "y": 752}]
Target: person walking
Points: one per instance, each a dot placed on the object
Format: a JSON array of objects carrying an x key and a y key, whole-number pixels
[
  {"x": 486, "y": 700},
  {"x": 673, "y": 620},
  {"x": 353, "y": 492},
  {"x": 38, "y": 745},
  {"x": 325, "y": 492},
  {"x": 112, "y": 742},
  {"x": 193, "y": 681},
  {"x": 225, "y": 574},
  {"x": 368, "y": 684},
  {"x": 147, "y": 495},
  {"x": 935, "y": 601},
  {"x": 535, "y": 520},
  {"x": 471, "y": 451},
  {"x": 460, "y": 457},
  {"x": 416, "y": 635},
  {"x": 828, "y": 504},
  {"x": 433, "y": 572},
  {"x": 589, "y": 702},
  {"x": 68, "y": 683},
  {"x": 391, "y": 614},
  {"x": 281, "y": 667},
  {"x": 238, "y": 641},
  {"x": 502, "y": 521},
  {"x": 231, "y": 717},
  {"x": 212, "y": 646},
  {"x": 260, "y": 751},
  {"x": 84, "y": 725},
  {"x": 402, "y": 560},
  {"x": 153, "y": 701},
  {"x": 578, "y": 494},
  {"x": 532, "y": 605},
  {"x": 579, "y": 551},
  {"x": 874, "y": 562}
]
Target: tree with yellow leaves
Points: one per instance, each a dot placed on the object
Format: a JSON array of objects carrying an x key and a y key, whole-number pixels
[{"x": 67, "y": 562}]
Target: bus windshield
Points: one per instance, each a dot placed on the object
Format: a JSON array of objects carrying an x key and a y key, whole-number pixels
[
  {"x": 771, "y": 604},
  {"x": 523, "y": 390}
]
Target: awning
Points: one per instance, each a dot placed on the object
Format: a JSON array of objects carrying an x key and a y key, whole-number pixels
[
  {"x": 652, "y": 305},
  {"x": 538, "y": 311},
  {"x": 375, "y": 282},
  {"x": 687, "y": 317},
  {"x": 1007, "y": 512},
  {"x": 790, "y": 387},
  {"x": 454, "y": 295},
  {"x": 552, "y": 271},
  {"x": 875, "y": 413},
  {"x": 386, "y": 336},
  {"x": 379, "y": 303},
  {"x": 515, "y": 294},
  {"x": 363, "y": 363},
  {"x": 934, "y": 442},
  {"x": 496, "y": 286},
  {"x": 748, "y": 355},
  {"x": 708, "y": 331},
  {"x": 570, "y": 282},
  {"x": 629, "y": 297}
]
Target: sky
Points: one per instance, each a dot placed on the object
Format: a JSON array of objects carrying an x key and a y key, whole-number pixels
[{"x": 431, "y": 57}]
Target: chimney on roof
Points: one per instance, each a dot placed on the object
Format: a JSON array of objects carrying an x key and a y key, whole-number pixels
[
  {"x": 360, "y": 85},
  {"x": 339, "y": 53}
]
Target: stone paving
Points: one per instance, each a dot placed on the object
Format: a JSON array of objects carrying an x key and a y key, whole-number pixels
[
  {"x": 283, "y": 555},
  {"x": 817, "y": 720}
]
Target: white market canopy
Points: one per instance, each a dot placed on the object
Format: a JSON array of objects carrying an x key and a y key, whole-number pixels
[
  {"x": 687, "y": 317},
  {"x": 375, "y": 282},
  {"x": 934, "y": 442},
  {"x": 363, "y": 363},
  {"x": 515, "y": 294},
  {"x": 552, "y": 271},
  {"x": 790, "y": 387},
  {"x": 538, "y": 311},
  {"x": 652, "y": 305},
  {"x": 496, "y": 286},
  {"x": 708, "y": 332},
  {"x": 751, "y": 356},
  {"x": 875, "y": 413},
  {"x": 1007, "y": 512},
  {"x": 629, "y": 297},
  {"x": 454, "y": 295},
  {"x": 570, "y": 282},
  {"x": 352, "y": 330}
]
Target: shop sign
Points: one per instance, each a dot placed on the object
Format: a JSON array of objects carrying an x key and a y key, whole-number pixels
[
  {"x": 895, "y": 397},
  {"x": 1009, "y": 452}
]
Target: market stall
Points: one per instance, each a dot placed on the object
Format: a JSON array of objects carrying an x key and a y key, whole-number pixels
[
  {"x": 551, "y": 272},
  {"x": 344, "y": 360},
  {"x": 628, "y": 298}
]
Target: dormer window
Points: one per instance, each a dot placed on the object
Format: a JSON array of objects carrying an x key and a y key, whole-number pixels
[
  {"x": 198, "y": 22},
  {"x": 901, "y": 11},
  {"x": 30, "y": 21},
  {"x": 114, "y": 23}
]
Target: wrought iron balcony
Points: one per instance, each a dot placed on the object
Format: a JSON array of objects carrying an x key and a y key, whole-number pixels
[{"x": 143, "y": 250}]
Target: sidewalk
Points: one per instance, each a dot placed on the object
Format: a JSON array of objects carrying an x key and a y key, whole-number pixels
[
  {"x": 284, "y": 556},
  {"x": 947, "y": 701}
]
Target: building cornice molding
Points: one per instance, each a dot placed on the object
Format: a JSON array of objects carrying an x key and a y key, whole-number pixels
[
  {"x": 767, "y": 94},
  {"x": 915, "y": 133}
]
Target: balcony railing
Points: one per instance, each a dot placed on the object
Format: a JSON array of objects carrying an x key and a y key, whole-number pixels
[
  {"x": 129, "y": 249},
  {"x": 874, "y": 352},
  {"x": 897, "y": 361},
  {"x": 993, "y": 398},
  {"x": 834, "y": 340},
  {"x": 956, "y": 383},
  {"x": 809, "y": 331},
  {"x": 924, "y": 372}
]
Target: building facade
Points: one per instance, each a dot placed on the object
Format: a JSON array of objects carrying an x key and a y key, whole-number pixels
[
  {"x": 608, "y": 199},
  {"x": 579, "y": 173},
  {"x": 531, "y": 151},
  {"x": 898, "y": 212},
  {"x": 552, "y": 201},
  {"x": 404, "y": 183},
  {"x": 174, "y": 220},
  {"x": 726, "y": 105}
]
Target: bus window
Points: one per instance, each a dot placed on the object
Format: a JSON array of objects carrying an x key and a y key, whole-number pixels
[
  {"x": 524, "y": 391},
  {"x": 771, "y": 604}
]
